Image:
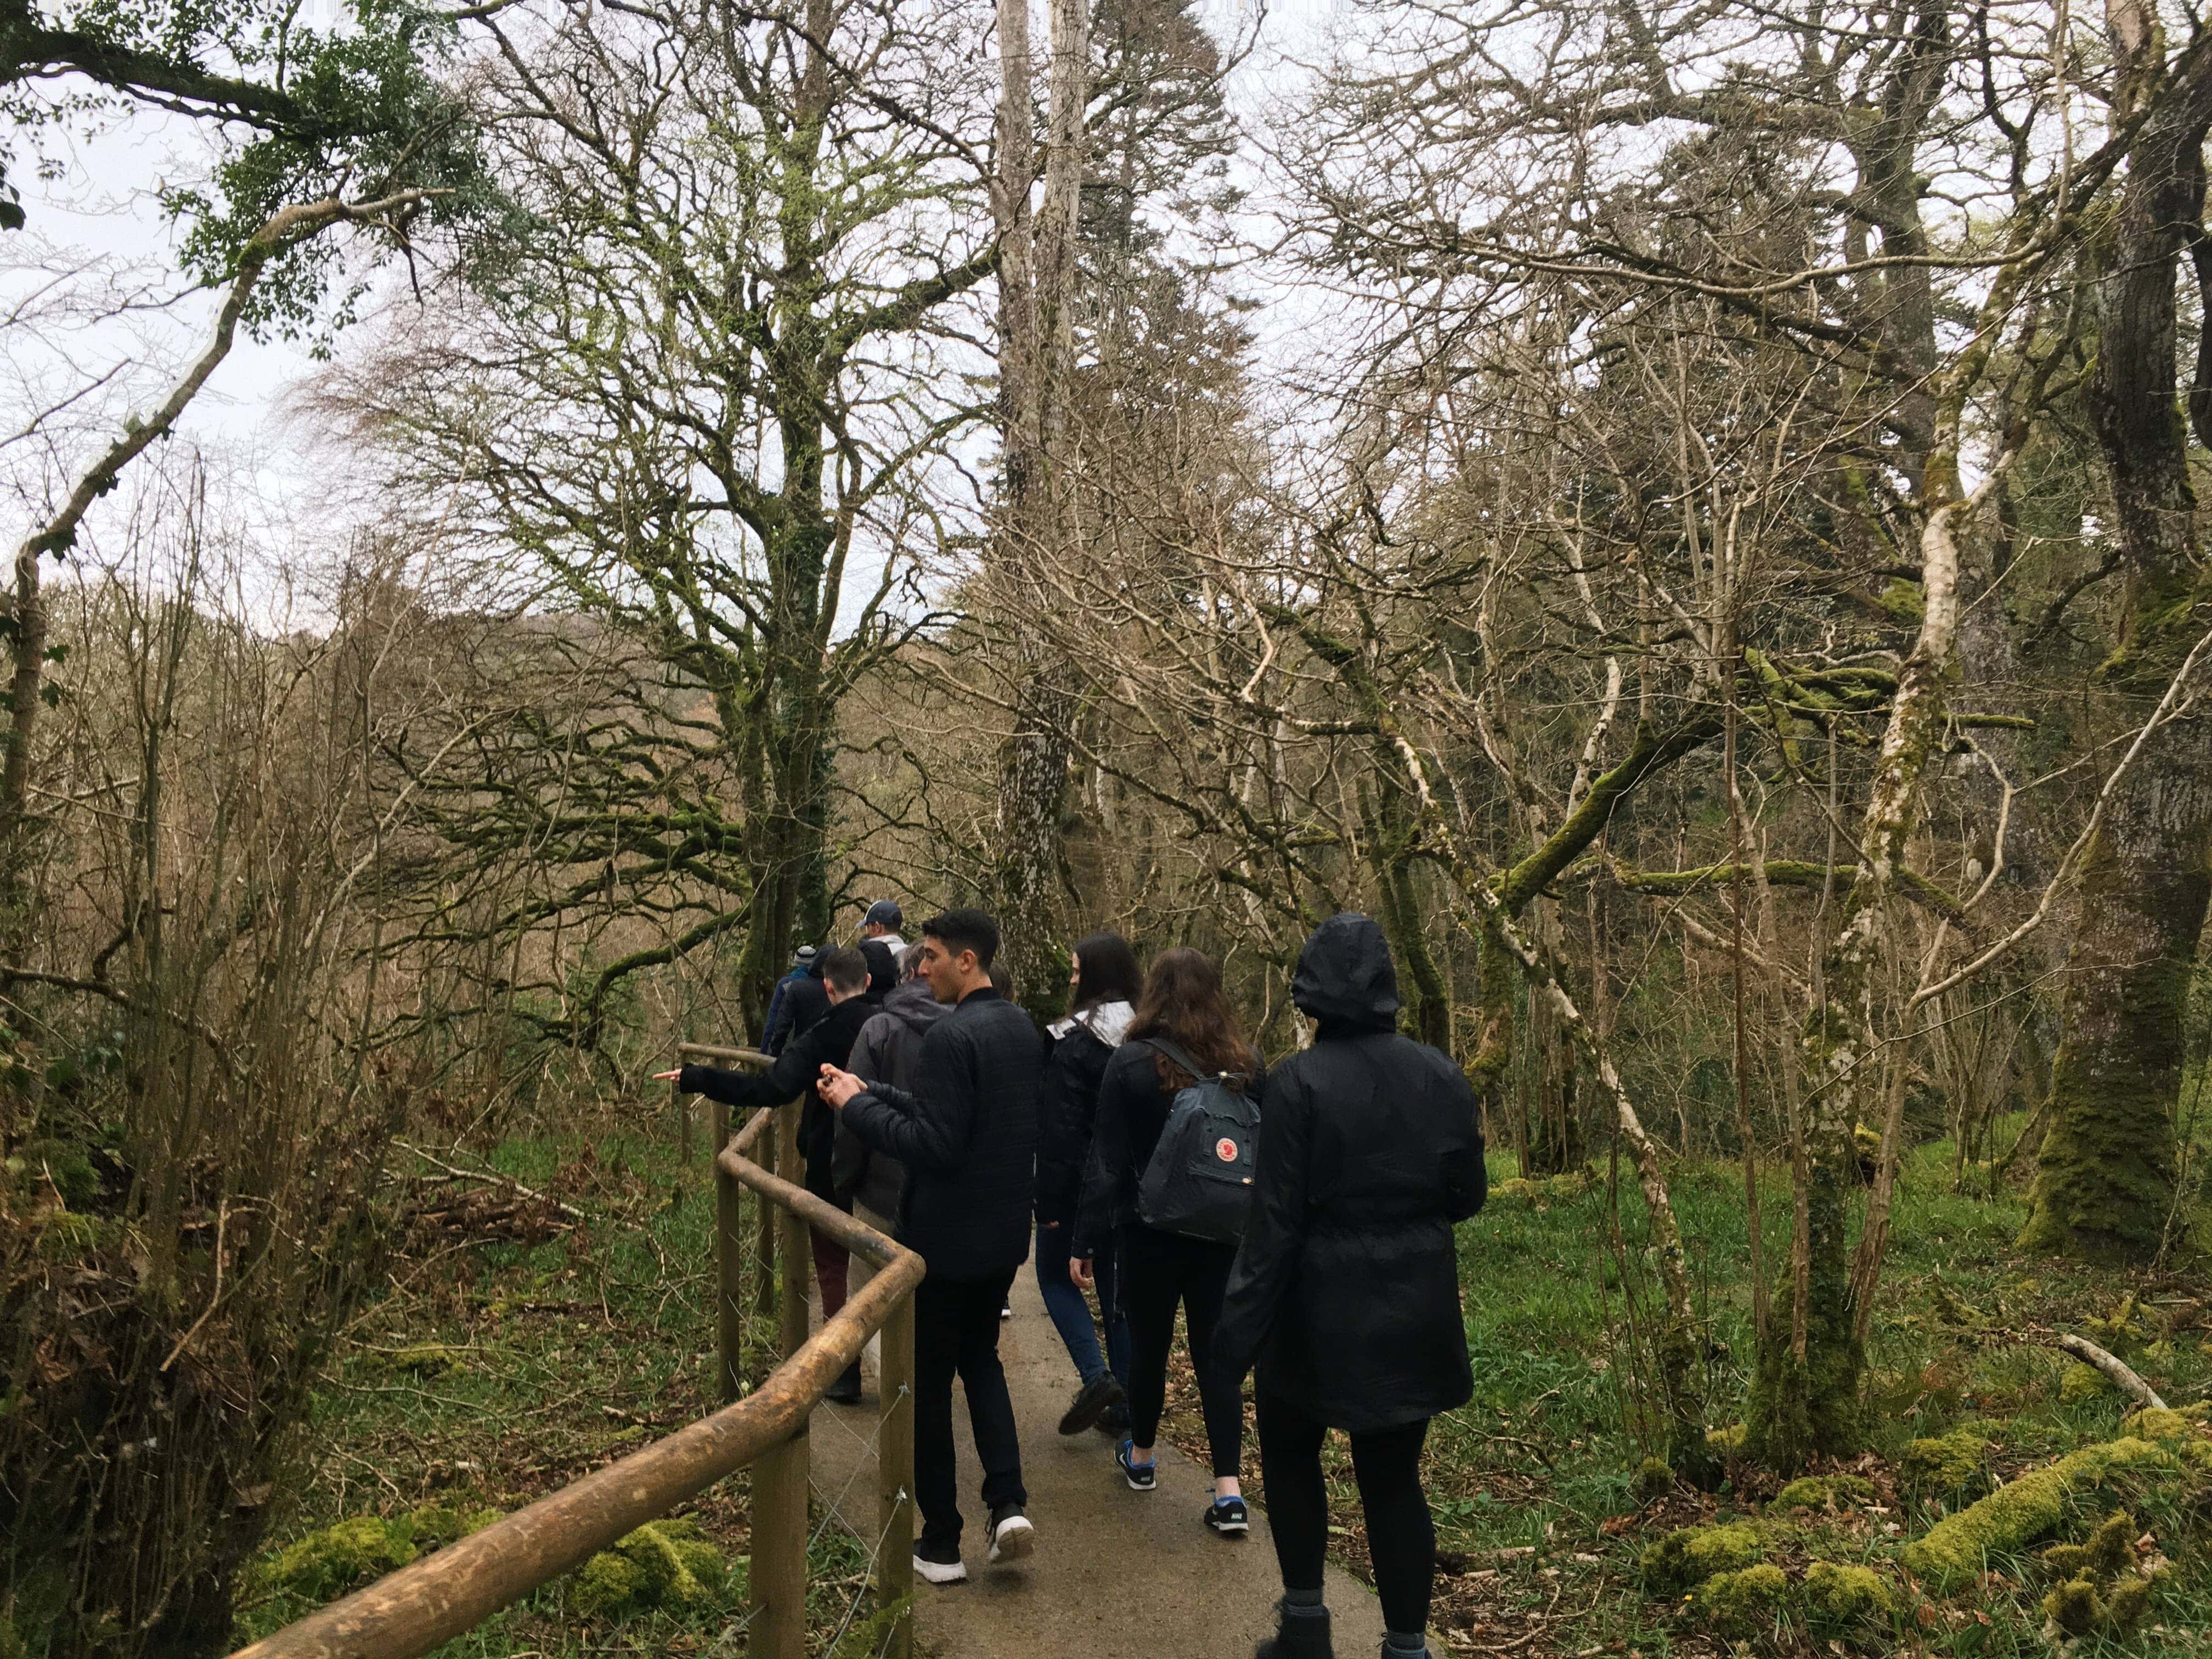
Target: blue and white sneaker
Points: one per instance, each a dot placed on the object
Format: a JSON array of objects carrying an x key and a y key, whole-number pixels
[
  {"x": 1141, "y": 1477},
  {"x": 1228, "y": 1517}
]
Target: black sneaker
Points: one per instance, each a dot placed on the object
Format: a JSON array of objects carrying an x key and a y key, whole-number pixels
[
  {"x": 939, "y": 1563},
  {"x": 1228, "y": 1517},
  {"x": 1114, "y": 1422},
  {"x": 1299, "y": 1634},
  {"x": 845, "y": 1390},
  {"x": 1012, "y": 1537},
  {"x": 1091, "y": 1402},
  {"x": 1141, "y": 1477}
]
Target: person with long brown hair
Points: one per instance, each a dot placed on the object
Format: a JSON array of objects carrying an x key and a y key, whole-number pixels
[{"x": 1184, "y": 1031}]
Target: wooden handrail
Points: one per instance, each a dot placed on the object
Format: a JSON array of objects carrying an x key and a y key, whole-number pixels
[{"x": 450, "y": 1591}]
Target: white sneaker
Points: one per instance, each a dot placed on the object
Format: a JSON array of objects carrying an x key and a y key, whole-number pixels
[
  {"x": 954, "y": 1571},
  {"x": 1012, "y": 1537}
]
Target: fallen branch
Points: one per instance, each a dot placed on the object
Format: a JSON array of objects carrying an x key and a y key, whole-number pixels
[
  {"x": 2118, "y": 1371},
  {"x": 490, "y": 1177}
]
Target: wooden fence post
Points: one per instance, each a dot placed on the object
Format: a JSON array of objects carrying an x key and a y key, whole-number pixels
[
  {"x": 681, "y": 1104},
  {"x": 729, "y": 1267},
  {"x": 777, "y": 1628},
  {"x": 895, "y": 1474}
]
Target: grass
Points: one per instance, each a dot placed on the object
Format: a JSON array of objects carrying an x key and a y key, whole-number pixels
[
  {"x": 494, "y": 1369},
  {"x": 1533, "y": 1483}
]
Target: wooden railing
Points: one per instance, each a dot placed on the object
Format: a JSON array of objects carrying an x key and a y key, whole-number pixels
[{"x": 455, "y": 1589}]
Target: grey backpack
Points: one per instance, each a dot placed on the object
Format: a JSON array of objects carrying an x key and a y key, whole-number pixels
[{"x": 1199, "y": 1182}]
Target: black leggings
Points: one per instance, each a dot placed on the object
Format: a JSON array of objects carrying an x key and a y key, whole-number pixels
[
  {"x": 1159, "y": 1270},
  {"x": 1401, "y": 1539}
]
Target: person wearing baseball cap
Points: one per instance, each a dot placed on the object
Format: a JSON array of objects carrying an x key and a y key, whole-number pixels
[{"x": 883, "y": 922}]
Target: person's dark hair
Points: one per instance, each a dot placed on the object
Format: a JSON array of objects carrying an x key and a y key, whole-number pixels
[
  {"x": 965, "y": 930},
  {"x": 1183, "y": 1002},
  {"x": 846, "y": 968},
  {"x": 1002, "y": 979},
  {"x": 1106, "y": 971},
  {"x": 882, "y": 966}
]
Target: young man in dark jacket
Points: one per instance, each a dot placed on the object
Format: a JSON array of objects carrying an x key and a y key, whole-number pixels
[
  {"x": 1345, "y": 1292},
  {"x": 797, "y": 1071},
  {"x": 777, "y": 1025},
  {"x": 967, "y": 1135}
]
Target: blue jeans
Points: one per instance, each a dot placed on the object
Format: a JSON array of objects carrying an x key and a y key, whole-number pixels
[{"x": 1071, "y": 1309}]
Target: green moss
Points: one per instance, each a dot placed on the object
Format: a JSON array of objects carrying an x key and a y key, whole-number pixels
[
  {"x": 1941, "y": 1465},
  {"x": 2017, "y": 1514},
  {"x": 663, "y": 1564},
  {"x": 1742, "y": 1603},
  {"x": 2100, "y": 1590},
  {"x": 1654, "y": 1479},
  {"x": 2167, "y": 1426},
  {"x": 71, "y": 1172},
  {"x": 434, "y": 1524},
  {"x": 427, "y": 1359},
  {"x": 69, "y": 1236},
  {"x": 2081, "y": 1384},
  {"x": 1728, "y": 1440},
  {"x": 1572, "y": 1184},
  {"x": 328, "y": 1563},
  {"x": 1819, "y": 1491},
  {"x": 1693, "y": 1554},
  {"x": 1839, "y": 1596}
]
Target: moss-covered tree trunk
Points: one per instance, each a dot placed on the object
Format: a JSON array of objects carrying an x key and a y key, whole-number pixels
[{"x": 2105, "y": 1187}]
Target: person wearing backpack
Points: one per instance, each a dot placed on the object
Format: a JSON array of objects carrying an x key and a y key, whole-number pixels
[
  {"x": 1344, "y": 1294},
  {"x": 1103, "y": 985},
  {"x": 1166, "y": 1187}
]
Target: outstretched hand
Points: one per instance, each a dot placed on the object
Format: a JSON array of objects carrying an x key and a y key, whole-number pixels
[
  {"x": 838, "y": 1087},
  {"x": 667, "y": 1077}
]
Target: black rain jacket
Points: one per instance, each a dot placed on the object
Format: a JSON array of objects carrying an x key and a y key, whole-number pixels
[
  {"x": 796, "y": 1070},
  {"x": 967, "y": 1134},
  {"x": 1067, "y": 1106},
  {"x": 1344, "y": 1294}
]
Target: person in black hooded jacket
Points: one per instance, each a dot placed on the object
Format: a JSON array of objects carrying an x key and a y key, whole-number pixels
[{"x": 1345, "y": 1293}]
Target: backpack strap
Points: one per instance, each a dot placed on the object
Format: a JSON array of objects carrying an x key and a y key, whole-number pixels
[{"x": 1198, "y": 1074}]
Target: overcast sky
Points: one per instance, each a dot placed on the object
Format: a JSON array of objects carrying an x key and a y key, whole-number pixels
[{"x": 99, "y": 221}]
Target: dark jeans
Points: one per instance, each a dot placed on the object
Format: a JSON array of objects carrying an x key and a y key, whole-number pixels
[
  {"x": 1401, "y": 1539},
  {"x": 955, "y": 1328},
  {"x": 832, "y": 1265},
  {"x": 1159, "y": 1270},
  {"x": 1071, "y": 1311}
]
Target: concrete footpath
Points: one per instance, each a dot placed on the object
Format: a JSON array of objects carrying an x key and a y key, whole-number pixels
[{"x": 1117, "y": 1574}]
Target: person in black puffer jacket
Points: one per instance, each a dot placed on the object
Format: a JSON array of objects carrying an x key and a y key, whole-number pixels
[
  {"x": 827, "y": 1042},
  {"x": 1344, "y": 1294},
  {"x": 1183, "y": 1005},
  {"x": 967, "y": 1134},
  {"x": 1102, "y": 987}
]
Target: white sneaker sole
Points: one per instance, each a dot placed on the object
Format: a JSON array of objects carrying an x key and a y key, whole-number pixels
[
  {"x": 1229, "y": 1529},
  {"x": 1013, "y": 1539},
  {"x": 941, "y": 1572}
]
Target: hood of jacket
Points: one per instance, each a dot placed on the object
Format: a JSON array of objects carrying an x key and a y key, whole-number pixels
[
  {"x": 1345, "y": 977},
  {"x": 913, "y": 1006},
  {"x": 1109, "y": 1022}
]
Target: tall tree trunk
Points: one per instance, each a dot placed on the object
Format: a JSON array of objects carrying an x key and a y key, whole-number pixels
[
  {"x": 1037, "y": 280},
  {"x": 2104, "y": 1188}
]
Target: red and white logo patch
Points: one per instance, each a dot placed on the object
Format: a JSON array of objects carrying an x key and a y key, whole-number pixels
[{"x": 1225, "y": 1150}]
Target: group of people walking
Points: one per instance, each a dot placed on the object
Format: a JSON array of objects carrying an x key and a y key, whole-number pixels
[{"x": 1142, "y": 1152}]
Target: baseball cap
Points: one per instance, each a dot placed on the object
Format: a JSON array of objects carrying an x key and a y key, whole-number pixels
[{"x": 884, "y": 913}]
